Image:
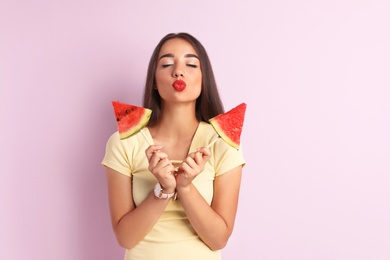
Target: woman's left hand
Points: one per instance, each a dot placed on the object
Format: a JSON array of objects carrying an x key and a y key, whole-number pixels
[{"x": 192, "y": 166}]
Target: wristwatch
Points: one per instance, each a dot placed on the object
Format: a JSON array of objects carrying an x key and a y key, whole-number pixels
[{"x": 159, "y": 193}]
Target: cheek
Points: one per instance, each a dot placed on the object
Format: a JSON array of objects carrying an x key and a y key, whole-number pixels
[
  {"x": 200, "y": 80},
  {"x": 197, "y": 76},
  {"x": 157, "y": 76},
  {"x": 161, "y": 74}
]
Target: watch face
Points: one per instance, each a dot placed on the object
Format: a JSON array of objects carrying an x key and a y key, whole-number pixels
[{"x": 157, "y": 190}]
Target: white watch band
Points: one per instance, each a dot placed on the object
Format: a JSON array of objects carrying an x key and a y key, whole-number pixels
[{"x": 159, "y": 193}]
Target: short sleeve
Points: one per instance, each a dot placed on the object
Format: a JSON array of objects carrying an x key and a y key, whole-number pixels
[
  {"x": 116, "y": 157},
  {"x": 226, "y": 158}
]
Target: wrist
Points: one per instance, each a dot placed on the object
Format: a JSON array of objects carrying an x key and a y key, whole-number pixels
[
  {"x": 183, "y": 189},
  {"x": 166, "y": 190}
]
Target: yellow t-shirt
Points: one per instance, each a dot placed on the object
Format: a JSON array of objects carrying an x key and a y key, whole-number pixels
[{"x": 172, "y": 237}]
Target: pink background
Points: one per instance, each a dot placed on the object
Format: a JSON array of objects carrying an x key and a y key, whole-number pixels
[{"x": 315, "y": 76}]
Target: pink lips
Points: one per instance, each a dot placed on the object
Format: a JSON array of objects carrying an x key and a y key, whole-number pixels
[{"x": 179, "y": 85}]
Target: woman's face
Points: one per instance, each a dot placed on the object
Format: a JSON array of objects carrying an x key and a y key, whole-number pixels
[{"x": 178, "y": 72}]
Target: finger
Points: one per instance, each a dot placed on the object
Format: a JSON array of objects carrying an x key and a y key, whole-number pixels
[
  {"x": 198, "y": 158},
  {"x": 157, "y": 157},
  {"x": 190, "y": 167},
  {"x": 192, "y": 155},
  {"x": 163, "y": 170},
  {"x": 165, "y": 173},
  {"x": 185, "y": 169},
  {"x": 167, "y": 167},
  {"x": 151, "y": 150},
  {"x": 190, "y": 161},
  {"x": 205, "y": 151},
  {"x": 185, "y": 175}
]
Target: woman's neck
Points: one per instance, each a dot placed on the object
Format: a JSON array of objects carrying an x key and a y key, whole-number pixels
[{"x": 178, "y": 119}]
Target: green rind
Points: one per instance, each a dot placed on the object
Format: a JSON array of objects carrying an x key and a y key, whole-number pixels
[
  {"x": 143, "y": 121},
  {"x": 222, "y": 134},
  {"x": 130, "y": 119},
  {"x": 230, "y": 124}
]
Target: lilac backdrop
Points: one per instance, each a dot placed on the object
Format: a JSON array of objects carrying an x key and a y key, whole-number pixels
[{"x": 315, "y": 76}]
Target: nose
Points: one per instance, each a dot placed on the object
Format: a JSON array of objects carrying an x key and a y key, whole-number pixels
[{"x": 178, "y": 72}]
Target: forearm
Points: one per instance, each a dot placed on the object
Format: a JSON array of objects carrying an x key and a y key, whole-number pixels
[
  {"x": 208, "y": 224},
  {"x": 136, "y": 224}
]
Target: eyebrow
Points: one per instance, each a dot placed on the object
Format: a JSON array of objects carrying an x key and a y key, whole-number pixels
[{"x": 170, "y": 55}]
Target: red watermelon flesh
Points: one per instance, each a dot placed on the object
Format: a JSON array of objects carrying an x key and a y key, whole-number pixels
[
  {"x": 129, "y": 118},
  {"x": 229, "y": 125}
]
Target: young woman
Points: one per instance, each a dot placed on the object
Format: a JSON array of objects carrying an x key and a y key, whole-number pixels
[{"x": 176, "y": 198}]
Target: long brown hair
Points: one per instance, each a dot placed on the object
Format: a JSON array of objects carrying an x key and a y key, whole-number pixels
[{"x": 208, "y": 104}]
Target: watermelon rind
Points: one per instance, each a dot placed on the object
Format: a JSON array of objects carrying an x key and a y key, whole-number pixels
[
  {"x": 130, "y": 119},
  {"x": 143, "y": 121},
  {"x": 229, "y": 125},
  {"x": 223, "y": 135}
]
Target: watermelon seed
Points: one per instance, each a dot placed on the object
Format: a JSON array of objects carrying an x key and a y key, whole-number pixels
[{"x": 118, "y": 119}]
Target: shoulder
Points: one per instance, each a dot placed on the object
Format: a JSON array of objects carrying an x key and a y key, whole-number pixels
[
  {"x": 207, "y": 129},
  {"x": 122, "y": 154},
  {"x": 114, "y": 141}
]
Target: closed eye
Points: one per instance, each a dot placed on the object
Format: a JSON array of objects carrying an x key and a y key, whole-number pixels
[
  {"x": 166, "y": 65},
  {"x": 192, "y": 65}
]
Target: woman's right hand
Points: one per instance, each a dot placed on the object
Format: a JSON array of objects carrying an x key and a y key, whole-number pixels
[{"x": 161, "y": 167}]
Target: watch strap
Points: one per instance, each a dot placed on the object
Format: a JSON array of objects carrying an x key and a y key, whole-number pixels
[{"x": 159, "y": 192}]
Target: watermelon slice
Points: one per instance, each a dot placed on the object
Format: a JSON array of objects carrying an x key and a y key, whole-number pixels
[
  {"x": 229, "y": 125},
  {"x": 130, "y": 119}
]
